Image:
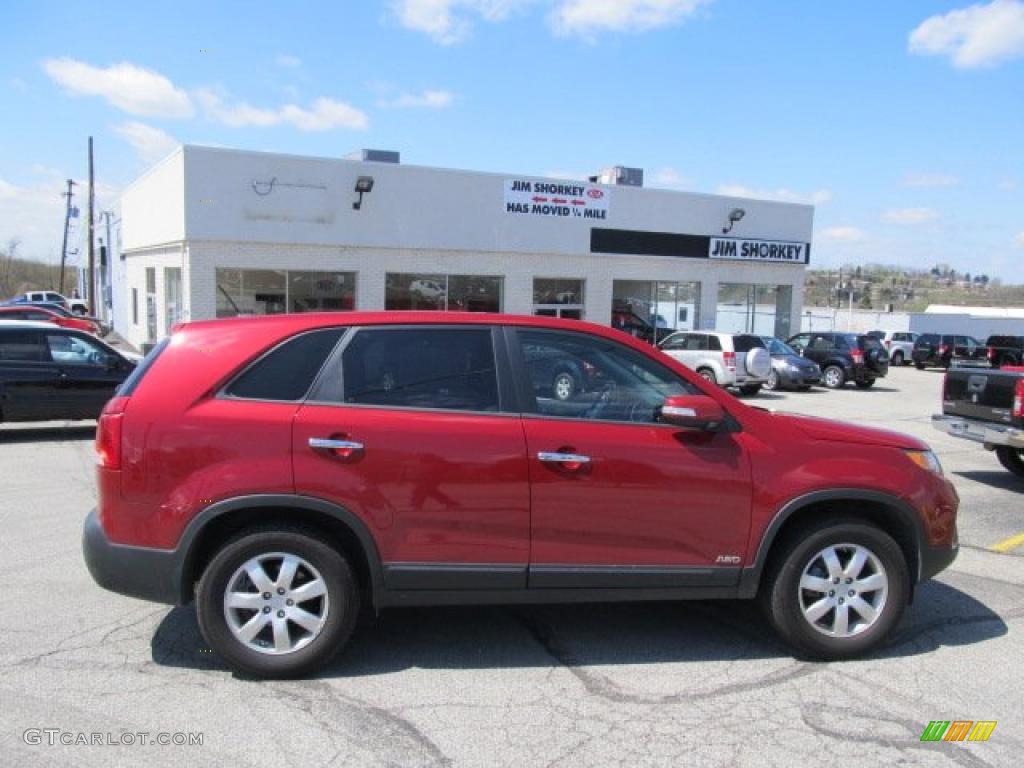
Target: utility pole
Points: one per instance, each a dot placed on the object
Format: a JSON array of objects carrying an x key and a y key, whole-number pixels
[
  {"x": 64, "y": 247},
  {"x": 91, "y": 295},
  {"x": 106, "y": 267}
]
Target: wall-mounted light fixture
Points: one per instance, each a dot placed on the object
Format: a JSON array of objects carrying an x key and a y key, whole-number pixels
[
  {"x": 734, "y": 215},
  {"x": 364, "y": 185}
]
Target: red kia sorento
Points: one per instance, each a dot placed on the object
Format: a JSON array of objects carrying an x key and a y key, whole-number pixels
[{"x": 289, "y": 471}]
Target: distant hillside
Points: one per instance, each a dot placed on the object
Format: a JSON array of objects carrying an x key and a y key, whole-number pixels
[
  {"x": 876, "y": 286},
  {"x": 18, "y": 275}
]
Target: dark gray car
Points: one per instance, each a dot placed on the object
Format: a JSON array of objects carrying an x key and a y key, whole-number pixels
[{"x": 789, "y": 370}]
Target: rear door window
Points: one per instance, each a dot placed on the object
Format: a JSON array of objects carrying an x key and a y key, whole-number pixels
[
  {"x": 745, "y": 343},
  {"x": 437, "y": 368},
  {"x": 287, "y": 371},
  {"x": 23, "y": 347}
]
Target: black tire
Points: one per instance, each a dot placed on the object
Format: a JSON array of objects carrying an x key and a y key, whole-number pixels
[
  {"x": 897, "y": 358},
  {"x": 773, "y": 382},
  {"x": 838, "y": 377},
  {"x": 563, "y": 386},
  {"x": 865, "y": 383},
  {"x": 749, "y": 390},
  {"x": 708, "y": 375},
  {"x": 781, "y": 595},
  {"x": 919, "y": 366},
  {"x": 342, "y": 600},
  {"x": 1011, "y": 458}
]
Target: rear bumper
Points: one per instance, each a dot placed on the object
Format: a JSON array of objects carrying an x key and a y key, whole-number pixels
[
  {"x": 984, "y": 432},
  {"x": 148, "y": 574}
]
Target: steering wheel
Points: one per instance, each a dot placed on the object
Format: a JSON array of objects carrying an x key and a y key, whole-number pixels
[{"x": 601, "y": 402}]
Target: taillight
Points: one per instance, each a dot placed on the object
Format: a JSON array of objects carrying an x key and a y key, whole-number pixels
[
  {"x": 990, "y": 353},
  {"x": 108, "y": 433},
  {"x": 858, "y": 356},
  {"x": 888, "y": 343},
  {"x": 1018, "y": 400},
  {"x": 730, "y": 360},
  {"x": 943, "y": 349}
]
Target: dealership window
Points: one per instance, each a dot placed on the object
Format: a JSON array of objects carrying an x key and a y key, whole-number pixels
[
  {"x": 642, "y": 306},
  {"x": 754, "y": 308},
  {"x": 558, "y": 297},
  {"x": 274, "y": 291},
  {"x": 463, "y": 293}
]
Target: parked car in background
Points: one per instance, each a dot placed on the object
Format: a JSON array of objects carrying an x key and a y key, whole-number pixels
[
  {"x": 42, "y": 314},
  {"x": 1004, "y": 350},
  {"x": 789, "y": 369},
  {"x": 986, "y": 406},
  {"x": 48, "y": 372},
  {"x": 729, "y": 360},
  {"x": 843, "y": 357},
  {"x": 77, "y": 306},
  {"x": 261, "y": 467},
  {"x": 899, "y": 345},
  {"x": 626, "y": 320},
  {"x": 944, "y": 349}
]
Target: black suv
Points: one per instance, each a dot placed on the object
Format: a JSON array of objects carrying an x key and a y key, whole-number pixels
[
  {"x": 843, "y": 357},
  {"x": 941, "y": 349},
  {"x": 47, "y": 372},
  {"x": 1004, "y": 350}
]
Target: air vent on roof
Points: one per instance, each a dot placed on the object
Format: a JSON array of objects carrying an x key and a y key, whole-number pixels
[
  {"x": 375, "y": 156},
  {"x": 621, "y": 176}
]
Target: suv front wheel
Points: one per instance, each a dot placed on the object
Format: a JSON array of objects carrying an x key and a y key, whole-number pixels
[
  {"x": 277, "y": 603},
  {"x": 838, "y": 590}
]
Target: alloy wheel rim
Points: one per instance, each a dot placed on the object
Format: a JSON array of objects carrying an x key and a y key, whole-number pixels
[
  {"x": 773, "y": 381},
  {"x": 276, "y": 603},
  {"x": 563, "y": 386},
  {"x": 843, "y": 590},
  {"x": 832, "y": 377}
]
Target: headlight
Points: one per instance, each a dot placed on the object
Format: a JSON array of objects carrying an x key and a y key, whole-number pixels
[{"x": 926, "y": 460}]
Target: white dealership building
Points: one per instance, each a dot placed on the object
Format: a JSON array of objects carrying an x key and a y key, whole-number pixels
[{"x": 211, "y": 232}]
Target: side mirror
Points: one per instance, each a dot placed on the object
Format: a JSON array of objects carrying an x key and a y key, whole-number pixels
[{"x": 697, "y": 412}]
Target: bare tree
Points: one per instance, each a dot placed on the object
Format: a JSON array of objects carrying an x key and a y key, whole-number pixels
[{"x": 7, "y": 256}]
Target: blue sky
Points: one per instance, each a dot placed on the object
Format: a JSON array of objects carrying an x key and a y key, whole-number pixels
[{"x": 902, "y": 121}]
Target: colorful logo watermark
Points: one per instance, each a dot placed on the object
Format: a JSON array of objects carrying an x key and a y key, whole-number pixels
[{"x": 958, "y": 730}]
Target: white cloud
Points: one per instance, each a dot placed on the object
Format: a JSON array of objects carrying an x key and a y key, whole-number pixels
[
  {"x": 930, "y": 180},
  {"x": 589, "y": 17},
  {"x": 818, "y": 197},
  {"x": 909, "y": 215},
  {"x": 128, "y": 87},
  {"x": 287, "y": 61},
  {"x": 1018, "y": 241},
  {"x": 981, "y": 35},
  {"x": 324, "y": 114},
  {"x": 843, "y": 234},
  {"x": 670, "y": 178},
  {"x": 450, "y": 21},
  {"x": 430, "y": 99},
  {"x": 34, "y": 215},
  {"x": 151, "y": 144}
]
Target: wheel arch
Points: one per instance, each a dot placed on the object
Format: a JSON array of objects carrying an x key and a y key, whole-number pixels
[
  {"x": 221, "y": 521},
  {"x": 890, "y": 513}
]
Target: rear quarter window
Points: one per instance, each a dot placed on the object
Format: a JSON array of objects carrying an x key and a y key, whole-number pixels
[
  {"x": 747, "y": 343},
  {"x": 287, "y": 372}
]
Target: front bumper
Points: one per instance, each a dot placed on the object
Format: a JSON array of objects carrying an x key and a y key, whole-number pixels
[
  {"x": 984, "y": 432},
  {"x": 799, "y": 378},
  {"x": 142, "y": 572}
]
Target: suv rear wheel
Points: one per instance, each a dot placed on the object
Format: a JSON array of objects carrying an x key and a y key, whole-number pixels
[
  {"x": 838, "y": 589},
  {"x": 564, "y": 386},
  {"x": 708, "y": 375},
  {"x": 277, "y": 603},
  {"x": 833, "y": 377},
  {"x": 897, "y": 357}
]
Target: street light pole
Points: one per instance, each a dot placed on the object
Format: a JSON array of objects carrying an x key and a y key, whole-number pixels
[{"x": 64, "y": 246}]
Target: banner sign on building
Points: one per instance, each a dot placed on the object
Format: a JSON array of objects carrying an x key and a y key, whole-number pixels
[
  {"x": 758, "y": 250},
  {"x": 560, "y": 199}
]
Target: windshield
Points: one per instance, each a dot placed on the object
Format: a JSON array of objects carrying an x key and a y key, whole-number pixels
[{"x": 776, "y": 347}]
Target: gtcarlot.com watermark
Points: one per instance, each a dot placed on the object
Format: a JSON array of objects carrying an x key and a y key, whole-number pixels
[{"x": 52, "y": 737}]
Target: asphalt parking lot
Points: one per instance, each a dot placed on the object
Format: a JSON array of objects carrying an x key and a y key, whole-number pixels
[{"x": 647, "y": 684}]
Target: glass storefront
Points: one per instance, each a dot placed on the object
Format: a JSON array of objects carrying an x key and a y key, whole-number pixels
[
  {"x": 558, "y": 297},
  {"x": 462, "y": 293},
  {"x": 272, "y": 291},
  {"x": 755, "y": 308},
  {"x": 647, "y": 308}
]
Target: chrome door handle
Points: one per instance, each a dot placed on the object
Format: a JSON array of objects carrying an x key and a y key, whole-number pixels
[
  {"x": 334, "y": 445},
  {"x": 563, "y": 458}
]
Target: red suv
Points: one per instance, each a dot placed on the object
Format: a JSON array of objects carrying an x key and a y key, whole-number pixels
[{"x": 287, "y": 471}]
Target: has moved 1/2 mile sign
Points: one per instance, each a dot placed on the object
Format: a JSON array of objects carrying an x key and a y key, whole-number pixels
[{"x": 561, "y": 199}]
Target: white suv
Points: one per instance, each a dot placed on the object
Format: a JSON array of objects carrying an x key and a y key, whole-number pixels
[
  {"x": 900, "y": 345},
  {"x": 730, "y": 360}
]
